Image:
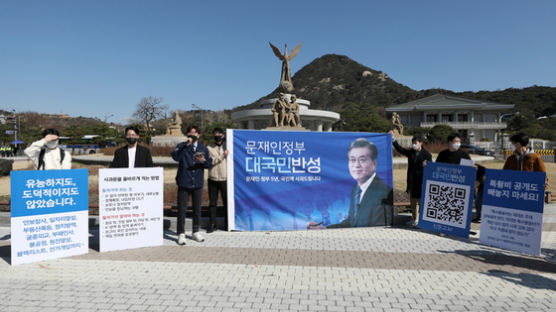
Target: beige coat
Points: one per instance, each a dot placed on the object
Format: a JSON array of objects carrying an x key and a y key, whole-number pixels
[{"x": 218, "y": 170}]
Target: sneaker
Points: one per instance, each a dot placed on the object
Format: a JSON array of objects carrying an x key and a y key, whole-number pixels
[
  {"x": 181, "y": 239},
  {"x": 198, "y": 237}
]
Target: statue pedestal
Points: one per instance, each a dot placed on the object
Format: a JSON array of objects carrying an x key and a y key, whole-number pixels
[
  {"x": 286, "y": 129},
  {"x": 403, "y": 140},
  {"x": 167, "y": 140}
]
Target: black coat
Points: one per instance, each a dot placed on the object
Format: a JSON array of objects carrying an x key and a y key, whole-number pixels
[
  {"x": 142, "y": 158},
  {"x": 414, "y": 168},
  {"x": 375, "y": 208}
]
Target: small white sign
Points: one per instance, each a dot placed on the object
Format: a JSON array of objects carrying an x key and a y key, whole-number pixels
[
  {"x": 511, "y": 229},
  {"x": 130, "y": 208}
]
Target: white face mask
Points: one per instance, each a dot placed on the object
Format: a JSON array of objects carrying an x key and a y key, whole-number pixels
[
  {"x": 415, "y": 147},
  {"x": 52, "y": 144},
  {"x": 456, "y": 146}
]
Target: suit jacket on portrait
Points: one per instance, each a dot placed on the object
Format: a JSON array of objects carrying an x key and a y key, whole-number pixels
[
  {"x": 142, "y": 158},
  {"x": 375, "y": 207}
]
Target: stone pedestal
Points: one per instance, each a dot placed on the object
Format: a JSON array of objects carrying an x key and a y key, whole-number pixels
[
  {"x": 286, "y": 129},
  {"x": 167, "y": 140},
  {"x": 403, "y": 140}
]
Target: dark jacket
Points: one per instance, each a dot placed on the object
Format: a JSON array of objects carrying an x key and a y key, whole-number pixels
[
  {"x": 415, "y": 161},
  {"x": 142, "y": 158},
  {"x": 191, "y": 172},
  {"x": 448, "y": 157},
  {"x": 375, "y": 207}
]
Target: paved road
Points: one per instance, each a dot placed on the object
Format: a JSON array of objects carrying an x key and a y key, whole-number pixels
[{"x": 365, "y": 269}]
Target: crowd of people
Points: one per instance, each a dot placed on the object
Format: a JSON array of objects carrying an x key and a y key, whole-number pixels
[{"x": 193, "y": 158}]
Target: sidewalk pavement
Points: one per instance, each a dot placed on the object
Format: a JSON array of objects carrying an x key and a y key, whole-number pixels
[{"x": 360, "y": 269}]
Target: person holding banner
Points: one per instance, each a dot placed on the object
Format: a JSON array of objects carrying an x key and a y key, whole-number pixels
[
  {"x": 217, "y": 176},
  {"x": 193, "y": 158},
  {"x": 133, "y": 155},
  {"x": 45, "y": 153},
  {"x": 371, "y": 199},
  {"x": 417, "y": 156},
  {"x": 453, "y": 154}
]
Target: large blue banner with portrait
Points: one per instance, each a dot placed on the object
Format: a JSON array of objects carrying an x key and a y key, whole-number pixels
[{"x": 287, "y": 180}]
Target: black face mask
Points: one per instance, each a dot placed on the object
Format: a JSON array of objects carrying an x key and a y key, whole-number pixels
[
  {"x": 218, "y": 139},
  {"x": 131, "y": 141},
  {"x": 192, "y": 137}
]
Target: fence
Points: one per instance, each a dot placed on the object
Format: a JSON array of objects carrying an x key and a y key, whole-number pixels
[{"x": 547, "y": 155}]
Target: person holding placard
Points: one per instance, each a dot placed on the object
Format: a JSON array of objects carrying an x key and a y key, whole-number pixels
[
  {"x": 133, "y": 155},
  {"x": 46, "y": 154},
  {"x": 524, "y": 158},
  {"x": 453, "y": 154}
]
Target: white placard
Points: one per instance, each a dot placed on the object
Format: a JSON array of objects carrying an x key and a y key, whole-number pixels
[
  {"x": 511, "y": 229},
  {"x": 130, "y": 208},
  {"x": 49, "y": 236}
]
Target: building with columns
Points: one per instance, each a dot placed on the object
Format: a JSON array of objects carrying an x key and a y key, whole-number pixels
[
  {"x": 261, "y": 118},
  {"x": 475, "y": 120}
]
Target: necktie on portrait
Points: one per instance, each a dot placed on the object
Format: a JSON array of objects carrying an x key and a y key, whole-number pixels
[{"x": 357, "y": 201}]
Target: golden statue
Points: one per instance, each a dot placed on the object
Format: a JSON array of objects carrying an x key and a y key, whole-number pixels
[
  {"x": 286, "y": 84},
  {"x": 174, "y": 127}
]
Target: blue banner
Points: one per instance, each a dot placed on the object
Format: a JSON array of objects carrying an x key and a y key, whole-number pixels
[
  {"x": 512, "y": 210},
  {"x": 40, "y": 192},
  {"x": 285, "y": 180},
  {"x": 447, "y": 198}
]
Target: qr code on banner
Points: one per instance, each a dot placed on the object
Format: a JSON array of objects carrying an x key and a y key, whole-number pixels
[{"x": 446, "y": 203}]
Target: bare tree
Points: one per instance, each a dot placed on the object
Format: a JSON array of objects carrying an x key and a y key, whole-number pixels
[{"x": 148, "y": 110}]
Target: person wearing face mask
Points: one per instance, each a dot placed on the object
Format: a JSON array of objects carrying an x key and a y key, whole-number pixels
[
  {"x": 132, "y": 155},
  {"x": 453, "y": 154},
  {"x": 193, "y": 158},
  {"x": 46, "y": 154},
  {"x": 217, "y": 176},
  {"x": 524, "y": 158},
  {"x": 417, "y": 157}
]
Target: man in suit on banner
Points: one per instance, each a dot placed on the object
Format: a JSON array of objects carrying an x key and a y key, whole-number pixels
[
  {"x": 133, "y": 155},
  {"x": 371, "y": 199}
]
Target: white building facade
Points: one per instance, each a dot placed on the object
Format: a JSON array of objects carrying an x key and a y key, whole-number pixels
[{"x": 475, "y": 120}]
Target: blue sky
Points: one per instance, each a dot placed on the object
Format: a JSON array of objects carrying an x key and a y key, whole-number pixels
[{"x": 98, "y": 58}]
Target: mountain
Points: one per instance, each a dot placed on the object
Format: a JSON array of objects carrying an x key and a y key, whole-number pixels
[
  {"x": 333, "y": 81},
  {"x": 360, "y": 94}
]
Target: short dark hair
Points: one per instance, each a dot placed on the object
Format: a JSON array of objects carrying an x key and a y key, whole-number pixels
[
  {"x": 417, "y": 138},
  {"x": 362, "y": 142},
  {"x": 218, "y": 130},
  {"x": 454, "y": 135},
  {"x": 134, "y": 128},
  {"x": 520, "y": 138},
  {"x": 50, "y": 131},
  {"x": 191, "y": 128}
]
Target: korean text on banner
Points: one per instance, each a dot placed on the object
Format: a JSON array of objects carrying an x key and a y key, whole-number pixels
[
  {"x": 49, "y": 214},
  {"x": 512, "y": 210},
  {"x": 447, "y": 198},
  {"x": 130, "y": 208},
  {"x": 284, "y": 180}
]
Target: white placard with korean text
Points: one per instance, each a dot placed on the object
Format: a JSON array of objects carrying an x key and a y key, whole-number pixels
[{"x": 130, "y": 208}]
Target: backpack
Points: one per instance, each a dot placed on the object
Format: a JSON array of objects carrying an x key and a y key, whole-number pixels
[{"x": 41, "y": 157}]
